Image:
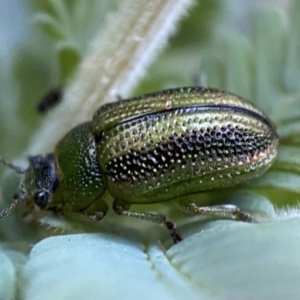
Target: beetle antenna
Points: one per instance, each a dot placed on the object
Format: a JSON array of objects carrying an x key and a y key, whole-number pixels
[
  {"x": 17, "y": 198},
  {"x": 12, "y": 166}
]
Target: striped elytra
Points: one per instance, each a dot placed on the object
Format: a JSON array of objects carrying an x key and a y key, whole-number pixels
[{"x": 205, "y": 140}]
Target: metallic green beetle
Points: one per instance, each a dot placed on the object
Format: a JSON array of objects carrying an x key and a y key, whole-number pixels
[{"x": 150, "y": 149}]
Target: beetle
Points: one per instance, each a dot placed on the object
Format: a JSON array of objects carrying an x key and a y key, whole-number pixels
[{"x": 149, "y": 149}]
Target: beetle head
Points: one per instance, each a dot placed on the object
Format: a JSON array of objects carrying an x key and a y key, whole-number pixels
[{"x": 39, "y": 183}]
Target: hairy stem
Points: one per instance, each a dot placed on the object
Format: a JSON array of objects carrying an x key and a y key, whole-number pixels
[{"x": 117, "y": 59}]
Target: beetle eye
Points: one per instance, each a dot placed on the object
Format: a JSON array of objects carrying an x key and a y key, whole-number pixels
[{"x": 41, "y": 199}]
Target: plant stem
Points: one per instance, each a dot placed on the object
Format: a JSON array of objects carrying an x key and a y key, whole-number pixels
[{"x": 118, "y": 57}]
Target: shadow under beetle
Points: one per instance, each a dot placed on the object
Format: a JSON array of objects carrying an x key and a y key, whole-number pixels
[{"x": 154, "y": 148}]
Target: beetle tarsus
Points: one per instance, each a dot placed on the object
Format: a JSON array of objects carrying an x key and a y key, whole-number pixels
[
  {"x": 177, "y": 237},
  {"x": 152, "y": 217},
  {"x": 228, "y": 211},
  {"x": 244, "y": 217}
]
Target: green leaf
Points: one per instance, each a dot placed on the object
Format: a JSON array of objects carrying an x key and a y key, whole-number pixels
[
  {"x": 50, "y": 26},
  {"x": 292, "y": 62},
  {"x": 68, "y": 60},
  {"x": 224, "y": 261}
]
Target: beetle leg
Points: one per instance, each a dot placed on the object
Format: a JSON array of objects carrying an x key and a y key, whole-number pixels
[
  {"x": 95, "y": 212},
  {"x": 122, "y": 210},
  {"x": 96, "y": 216},
  {"x": 228, "y": 211}
]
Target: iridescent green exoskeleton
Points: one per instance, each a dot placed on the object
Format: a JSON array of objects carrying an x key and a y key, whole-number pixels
[{"x": 154, "y": 148}]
